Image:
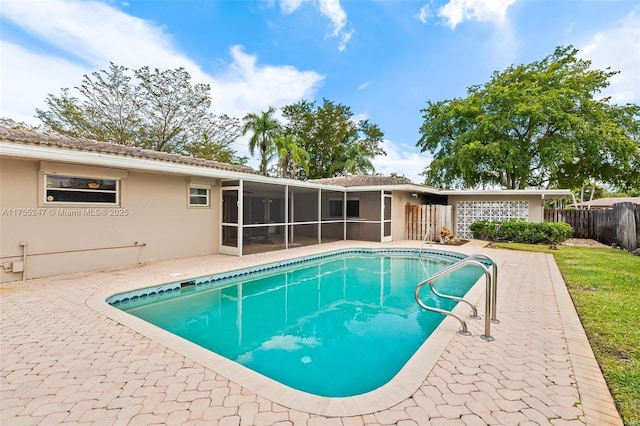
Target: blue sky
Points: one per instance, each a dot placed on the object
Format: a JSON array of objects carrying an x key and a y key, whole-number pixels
[{"x": 383, "y": 59}]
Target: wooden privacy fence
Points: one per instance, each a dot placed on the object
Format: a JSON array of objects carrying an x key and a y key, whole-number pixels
[
  {"x": 620, "y": 225},
  {"x": 420, "y": 220}
]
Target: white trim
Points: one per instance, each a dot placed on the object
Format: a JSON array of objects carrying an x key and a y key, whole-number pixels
[
  {"x": 559, "y": 193},
  {"x": 230, "y": 250},
  {"x": 383, "y": 221}
]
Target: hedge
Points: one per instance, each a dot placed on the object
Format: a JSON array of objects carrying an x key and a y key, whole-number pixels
[{"x": 519, "y": 231}]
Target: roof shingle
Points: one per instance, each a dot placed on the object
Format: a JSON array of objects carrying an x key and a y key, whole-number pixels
[
  {"x": 364, "y": 180},
  {"x": 82, "y": 144}
]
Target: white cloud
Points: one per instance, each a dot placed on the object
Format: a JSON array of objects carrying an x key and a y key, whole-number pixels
[
  {"x": 402, "y": 159},
  {"x": 28, "y": 77},
  {"x": 359, "y": 117},
  {"x": 344, "y": 40},
  {"x": 332, "y": 10},
  {"x": 457, "y": 11},
  {"x": 246, "y": 87},
  {"x": 94, "y": 33},
  {"x": 289, "y": 6},
  {"x": 424, "y": 14},
  {"x": 618, "y": 49},
  {"x": 363, "y": 85},
  {"x": 328, "y": 8}
]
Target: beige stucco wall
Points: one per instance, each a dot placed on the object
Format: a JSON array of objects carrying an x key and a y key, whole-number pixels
[
  {"x": 153, "y": 211},
  {"x": 398, "y": 225},
  {"x": 536, "y": 204}
]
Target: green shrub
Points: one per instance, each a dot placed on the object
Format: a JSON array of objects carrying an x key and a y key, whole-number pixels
[{"x": 520, "y": 231}]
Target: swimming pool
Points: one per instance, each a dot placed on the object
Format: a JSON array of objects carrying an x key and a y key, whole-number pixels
[{"x": 335, "y": 325}]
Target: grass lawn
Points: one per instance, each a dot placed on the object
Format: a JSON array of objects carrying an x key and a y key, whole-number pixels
[{"x": 605, "y": 287}]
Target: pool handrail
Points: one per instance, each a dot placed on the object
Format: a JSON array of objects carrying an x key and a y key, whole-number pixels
[
  {"x": 488, "y": 295},
  {"x": 494, "y": 283},
  {"x": 474, "y": 313}
]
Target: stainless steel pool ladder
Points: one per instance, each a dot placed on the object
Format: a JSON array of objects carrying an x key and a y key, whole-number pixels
[{"x": 490, "y": 298}]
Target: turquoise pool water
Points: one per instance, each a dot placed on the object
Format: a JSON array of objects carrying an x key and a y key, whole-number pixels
[{"x": 335, "y": 326}]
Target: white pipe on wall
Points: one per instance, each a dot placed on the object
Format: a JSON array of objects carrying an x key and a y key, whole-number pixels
[{"x": 24, "y": 259}]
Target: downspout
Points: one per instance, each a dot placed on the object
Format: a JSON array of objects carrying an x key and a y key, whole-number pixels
[{"x": 23, "y": 244}]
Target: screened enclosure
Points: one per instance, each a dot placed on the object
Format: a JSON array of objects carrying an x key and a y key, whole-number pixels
[{"x": 259, "y": 217}]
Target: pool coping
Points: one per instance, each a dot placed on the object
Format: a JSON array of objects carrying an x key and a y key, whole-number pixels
[
  {"x": 595, "y": 398},
  {"x": 399, "y": 388}
]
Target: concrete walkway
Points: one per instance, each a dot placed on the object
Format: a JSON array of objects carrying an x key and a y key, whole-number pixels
[{"x": 64, "y": 362}]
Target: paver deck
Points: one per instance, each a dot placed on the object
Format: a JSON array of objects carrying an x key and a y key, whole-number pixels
[{"x": 63, "y": 361}]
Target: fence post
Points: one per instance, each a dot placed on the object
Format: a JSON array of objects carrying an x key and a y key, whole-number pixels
[{"x": 626, "y": 234}]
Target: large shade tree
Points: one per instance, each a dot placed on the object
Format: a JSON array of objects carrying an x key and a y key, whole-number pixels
[
  {"x": 153, "y": 109},
  {"x": 540, "y": 125},
  {"x": 336, "y": 143},
  {"x": 171, "y": 106},
  {"x": 104, "y": 107},
  {"x": 264, "y": 128}
]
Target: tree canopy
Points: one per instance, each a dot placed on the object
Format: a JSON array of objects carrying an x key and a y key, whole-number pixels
[
  {"x": 336, "y": 143},
  {"x": 212, "y": 138},
  {"x": 540, "y": 125},
  {"x": 153, "y": 109}
]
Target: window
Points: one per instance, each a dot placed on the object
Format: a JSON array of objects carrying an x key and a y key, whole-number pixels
[
  {"x": 199, "y": 196},
  {"x": 335, "y": 208},
  {"x": 81, "y": 190},
  {"x": 353, "y": 208}
]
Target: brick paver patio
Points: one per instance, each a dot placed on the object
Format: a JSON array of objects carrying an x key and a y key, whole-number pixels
[{"x": 64, "y": 362}]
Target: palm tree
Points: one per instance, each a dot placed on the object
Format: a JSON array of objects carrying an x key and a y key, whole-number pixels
[
  {"x": 264, "y": 128},
  {"x": 356, "y": 161},
  {"x": 290, "y": 156}
]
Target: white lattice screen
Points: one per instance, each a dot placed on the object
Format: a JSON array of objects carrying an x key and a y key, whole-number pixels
[{"x": 468, "y": 212}]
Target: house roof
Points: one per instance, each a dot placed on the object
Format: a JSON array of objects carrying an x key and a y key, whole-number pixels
[
  {"x": 88, "y": 145},
  {"x": 355, "y": 183},
  {"x": 608, "y": 202},
  {"x": 364, "y": 180}
]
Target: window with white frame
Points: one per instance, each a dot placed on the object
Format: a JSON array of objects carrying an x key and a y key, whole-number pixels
[
  {"x": 199, "y": 196},
  {"x": 80, "y": 190}
]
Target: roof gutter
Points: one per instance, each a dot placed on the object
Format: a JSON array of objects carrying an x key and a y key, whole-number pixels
[{"x": 544, "y": 193}]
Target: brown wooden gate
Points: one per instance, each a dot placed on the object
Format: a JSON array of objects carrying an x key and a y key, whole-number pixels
[{"x": 421, "y": 220}]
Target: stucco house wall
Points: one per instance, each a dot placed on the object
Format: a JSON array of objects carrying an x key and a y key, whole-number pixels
[
  {"x": 535, "y": 206},
  {"x": 398, "y": 221},
  {"x": 152, "y": 222}
]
